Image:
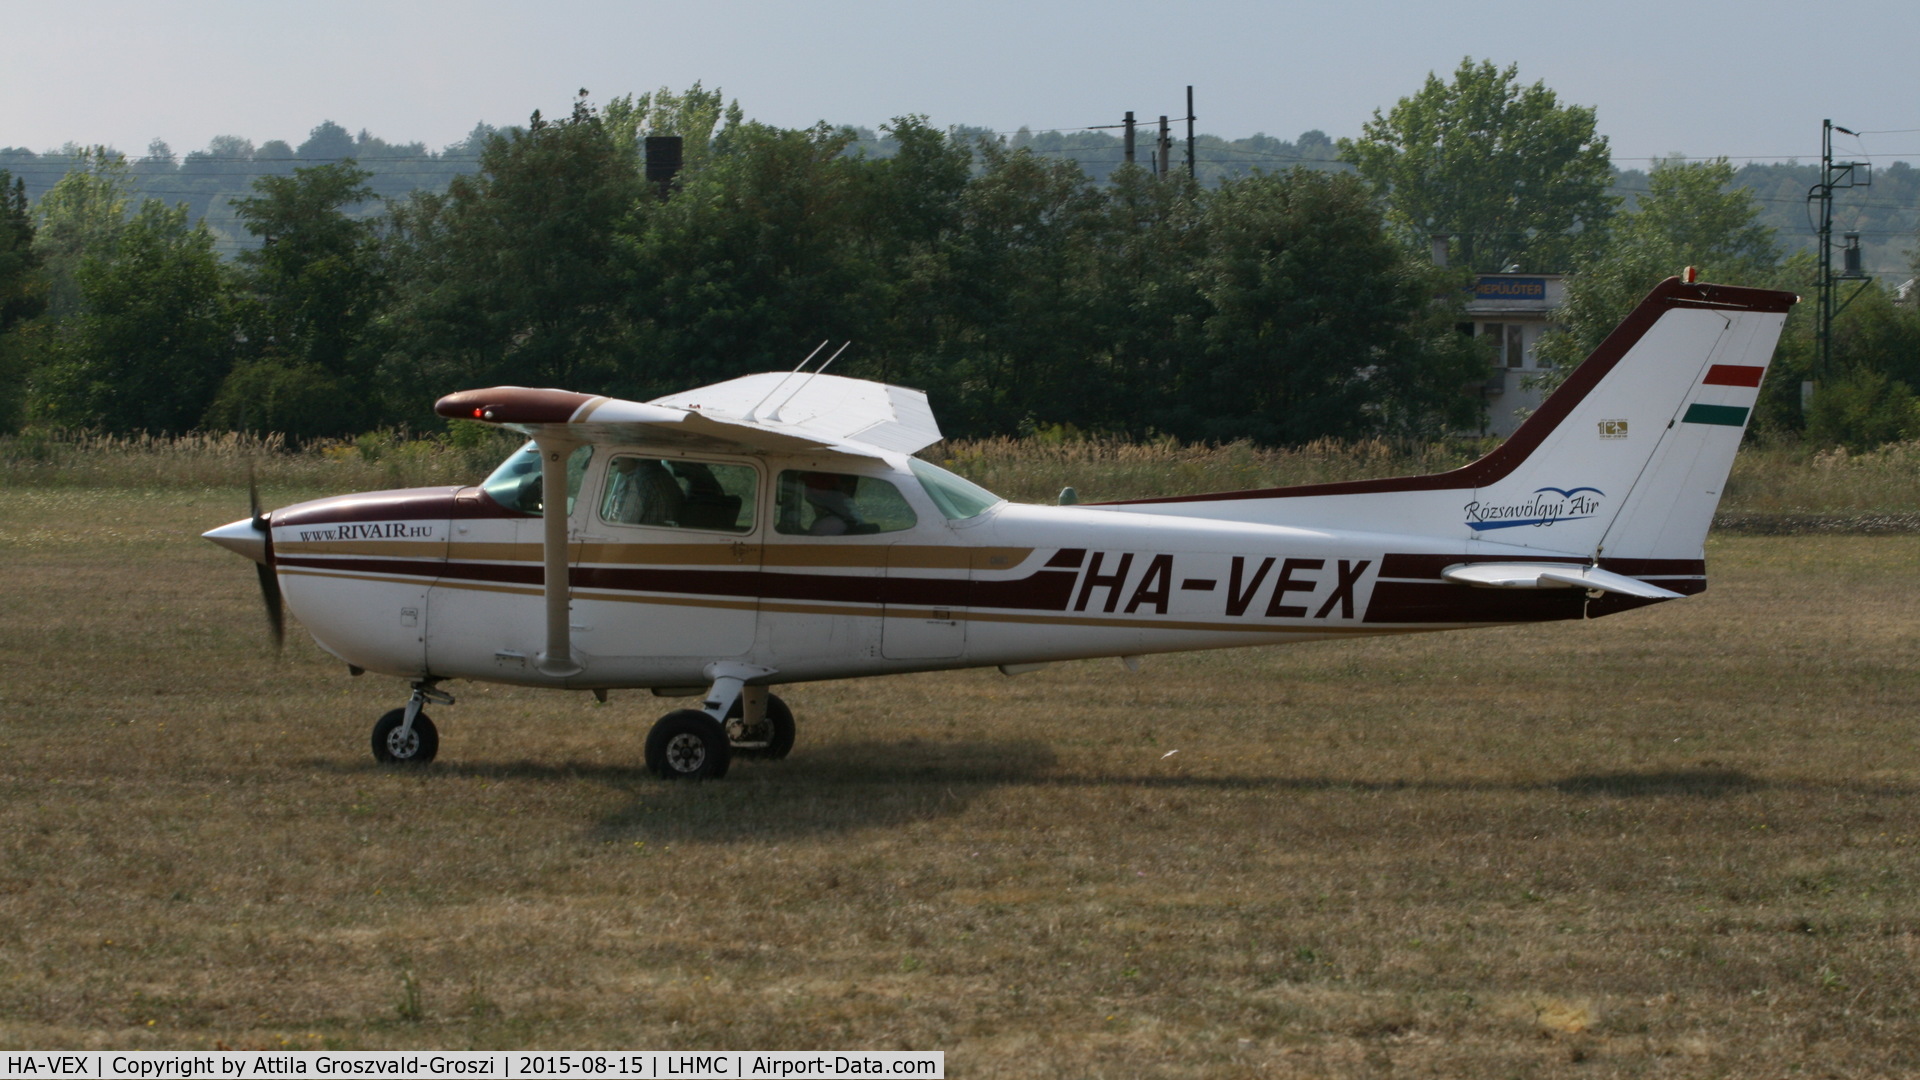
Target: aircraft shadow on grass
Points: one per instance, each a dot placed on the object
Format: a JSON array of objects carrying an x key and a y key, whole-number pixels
[
  {"x": 857, "y": 786},
  {"x": 852, "y": 785}
]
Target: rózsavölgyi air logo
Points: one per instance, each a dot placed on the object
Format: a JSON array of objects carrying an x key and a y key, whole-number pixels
[{"x": 1545, "y": 506}]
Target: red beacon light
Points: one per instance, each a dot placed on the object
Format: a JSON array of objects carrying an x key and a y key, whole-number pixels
[{"x": 1690, "y": 275}]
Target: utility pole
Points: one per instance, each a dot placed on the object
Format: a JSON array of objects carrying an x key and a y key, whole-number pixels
[
  {"x": 1833, "y": 174},
  {"x": 1190, "y": 171},
  {"x": 1129, "y": 143},
  {"x": 1164, "y": 149}
]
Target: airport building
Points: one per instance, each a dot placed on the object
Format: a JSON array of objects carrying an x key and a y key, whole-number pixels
[{"x": 1514, "y": 310}]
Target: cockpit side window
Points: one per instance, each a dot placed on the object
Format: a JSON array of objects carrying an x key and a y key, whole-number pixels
[
  {"x": 676, "y": 494},
  {"x": 516, "y": 483},
  {"x": 839, "y": 504}
]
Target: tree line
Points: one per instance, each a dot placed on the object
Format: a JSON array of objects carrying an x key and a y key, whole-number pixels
[{"x": 1022, "y": 292}]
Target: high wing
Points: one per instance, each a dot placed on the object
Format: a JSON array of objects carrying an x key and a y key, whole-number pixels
[{"x": 792, "y": 412}]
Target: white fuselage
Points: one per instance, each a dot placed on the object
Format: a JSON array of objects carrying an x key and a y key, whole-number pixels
[{"x": 448, "y": 583}]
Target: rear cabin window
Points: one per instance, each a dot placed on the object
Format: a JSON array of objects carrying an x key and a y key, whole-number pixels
[
  {"x": 674, "y": 494},
  {"x": 839, "y": 504}
]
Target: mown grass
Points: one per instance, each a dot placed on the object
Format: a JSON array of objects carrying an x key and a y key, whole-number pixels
[{"x": 1677, "y": 842}]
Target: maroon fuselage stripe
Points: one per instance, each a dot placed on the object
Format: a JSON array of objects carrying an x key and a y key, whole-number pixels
[{"x": 1410, "y": 589}]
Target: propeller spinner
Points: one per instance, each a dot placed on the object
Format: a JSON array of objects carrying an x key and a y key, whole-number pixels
[{"x": 253, "y": 538}]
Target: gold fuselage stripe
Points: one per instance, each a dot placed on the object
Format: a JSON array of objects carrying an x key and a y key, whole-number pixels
[{"x": 727, "y": 553}]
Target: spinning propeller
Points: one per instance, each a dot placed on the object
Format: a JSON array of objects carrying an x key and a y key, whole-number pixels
[
  {"x": 253, "y": 537},
  {"x": 269, "y": 581}
]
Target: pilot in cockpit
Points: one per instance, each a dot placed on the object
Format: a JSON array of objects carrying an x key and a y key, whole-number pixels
[
  {"x": 641, "y": 492},
  {"x": 832, "y": 503}
]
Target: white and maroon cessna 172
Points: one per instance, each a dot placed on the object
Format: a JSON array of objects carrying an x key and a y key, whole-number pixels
[{"x": 776, "y": 529}]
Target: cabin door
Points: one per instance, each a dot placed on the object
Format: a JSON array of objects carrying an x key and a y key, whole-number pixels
[
  {"x": 926, "y": 602},
  {"x": 667, "y": 559}
]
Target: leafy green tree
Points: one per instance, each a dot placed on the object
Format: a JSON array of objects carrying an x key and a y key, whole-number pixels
[
  {"x": 749, "y": 265},
  {"x": 312, "y": 291},
  {"x": 1011, "y": 333},
  {"x": 909, "y": 214},
  {"x": 696, "y": 115},
  {"x": 1318, "y": 323},
  {"x": 153, "y": 339},
  {"x": 158, "y": 167},
  {"x": 22, "y": 289},
  {"x": 1140, "y": 301},
  {"x": 1862, "y": 410},
  {"x": 80, "y": 217},
  {"x": 210, "y": 178},
  {"x": 509, "y": 277},
  {"x": 1515, "y": 178},
  {"x": 23, "y": 294},
  {"x": 327, "y": 142},
  {"x": 1868, "y": 395},
  {"x": 1691, "y": 215}
]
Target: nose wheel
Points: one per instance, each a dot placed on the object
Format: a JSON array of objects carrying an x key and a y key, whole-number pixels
[{"x": 406, "y": 736}]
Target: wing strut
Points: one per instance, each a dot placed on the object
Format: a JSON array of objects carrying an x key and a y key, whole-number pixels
[
  {"x": 558, "y": 659},
  {"x": 810, "y": 377},
  {"x": 783, "y": 382}
]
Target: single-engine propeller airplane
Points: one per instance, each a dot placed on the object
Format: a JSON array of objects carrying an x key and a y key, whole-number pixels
[{"x": 776, "y": 529}]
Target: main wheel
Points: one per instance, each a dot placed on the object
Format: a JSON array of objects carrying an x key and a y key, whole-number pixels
[
  {"x": 417, "y": 748},
  {"x": 771, "y": 738},
  {"x": 687, "y": 745}
]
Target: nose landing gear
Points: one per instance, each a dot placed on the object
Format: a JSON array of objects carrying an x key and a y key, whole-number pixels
[{"x": 407, "y": 736}]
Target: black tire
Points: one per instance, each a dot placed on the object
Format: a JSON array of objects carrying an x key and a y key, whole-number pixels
[
  {"x": 687, "y": 745},
  {"x": 389, "y": 749},
  {"x": 773, "y": 740}
]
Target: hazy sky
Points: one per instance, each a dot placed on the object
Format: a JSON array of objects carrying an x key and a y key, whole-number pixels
[{"x": 1751, "y": 79}]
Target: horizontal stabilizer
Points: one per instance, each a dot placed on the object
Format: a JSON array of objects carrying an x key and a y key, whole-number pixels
[{"x": 1552, "y": 576}]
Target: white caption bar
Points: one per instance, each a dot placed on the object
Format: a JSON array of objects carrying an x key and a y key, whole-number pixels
[{"x": 612, "y": 1065}]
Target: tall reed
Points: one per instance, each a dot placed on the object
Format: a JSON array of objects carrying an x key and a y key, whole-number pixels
[
  {"x": 44, "y": 458},
  {"x": 1768, "y": 481}
]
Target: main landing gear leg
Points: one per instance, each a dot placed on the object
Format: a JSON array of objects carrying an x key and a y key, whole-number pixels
[
  {"x": 694, "y": 744},
  {"x": 407, "y": 736},
  {"x": 760, "y": 725}
]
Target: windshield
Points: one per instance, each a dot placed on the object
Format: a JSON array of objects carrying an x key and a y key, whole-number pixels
[
  {"x": 516, "y": 483},
  {"x": 958, "y": 499}
]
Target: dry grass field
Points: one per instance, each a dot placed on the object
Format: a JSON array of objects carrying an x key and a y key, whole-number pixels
[{"x": 1679, "y": 842}]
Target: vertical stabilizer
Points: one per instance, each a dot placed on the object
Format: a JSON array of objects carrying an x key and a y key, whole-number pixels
[{"x": 1627, "y": 459}]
